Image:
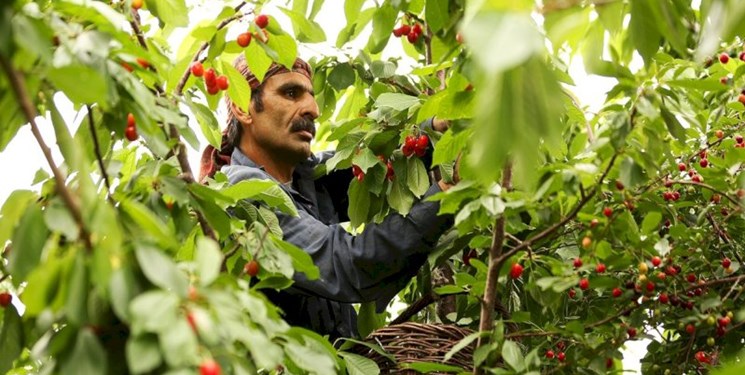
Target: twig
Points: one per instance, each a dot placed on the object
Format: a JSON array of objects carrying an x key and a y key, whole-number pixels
[
  {"x": 135, "y": 23},
  {"x": 490, "y": 293},
  {"x": 731, "y": 289},
  {"x": 418, "y": 305},
  {"x": 230, "y": 253},
  {"x": 184, "y": 77},
  {"x": 725, "y": 280},
  {"x": 18, "y": 84},
  {"x": 97, "y": 150},
  {"x": 709, "y": 187},
  {"x": 518, "y": 241}
]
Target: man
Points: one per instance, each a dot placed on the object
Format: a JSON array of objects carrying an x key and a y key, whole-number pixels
[{"x": 272, "y": 141}]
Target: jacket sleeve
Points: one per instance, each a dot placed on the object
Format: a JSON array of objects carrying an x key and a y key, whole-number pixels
[{"x": 373, "y": 265}]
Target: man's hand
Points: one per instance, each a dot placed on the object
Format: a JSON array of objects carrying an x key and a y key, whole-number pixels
[{"x": 440, "y": 125}]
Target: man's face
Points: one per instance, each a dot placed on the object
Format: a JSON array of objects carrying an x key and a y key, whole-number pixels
[{"x": 285, "y": 128}]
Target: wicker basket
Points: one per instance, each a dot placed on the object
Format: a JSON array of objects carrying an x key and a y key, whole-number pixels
[{"x": 415, "y": 342}]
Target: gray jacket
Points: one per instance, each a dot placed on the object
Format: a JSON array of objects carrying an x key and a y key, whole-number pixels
[{"x": 371, "y": 266}]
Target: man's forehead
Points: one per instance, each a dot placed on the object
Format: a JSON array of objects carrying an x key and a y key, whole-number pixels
[{"x": 289, "y": 77}]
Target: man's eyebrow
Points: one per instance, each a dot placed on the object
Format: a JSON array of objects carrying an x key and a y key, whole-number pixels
[{"x": 297, "y": 86}]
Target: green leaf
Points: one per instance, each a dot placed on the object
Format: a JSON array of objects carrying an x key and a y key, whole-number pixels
[
  {"x": 359, "y": 365},
  {"x": 368, "y": 319},
  {"x": 87, "y": 357},
  {"x": 400, "y": 198},
  {"x": 285, "y": 47},
  {"x": 208, "y": 259},
  {"x": 160, "y": 269},
  {"x": 673, "y": 125},
  {"x": 257, "y": 60},
  {"x": 399, "y": 102},
  {"x": 143, "y": 353},
  {"x": 359, "y": 203},
  {"x": 58, "y": 218},
  {"x": 427, "y": 367},
  {"x": 449, "y": 146},
  {"x": 11, "y": 338},
  {"x": 171, "y": 12},
  {"x": 67, "y": 79},
  {"x": 148, "y": 221},
  {"x": 341, "y": 77},
  {"x": 71, "y": 151},
  {"x": 29, "y": 240},
  {"x": 310, "y": 358},
  {"x": 153, "y": 311},
  {"x": 301, "y": 261},
  {"x": 513, "y": 34},
  {"x": 643, "y": 29},
  {"x": 383, "y": 20},
  {"x": 352, "y": 10},
  {"x": 207, "y": 123},
  {"x": 448, "y": 289},
  {"x": 437, "y": 14},
  {"x": 365, "y": 159},
  {"x": 123, "y": 289},
  {"x": 513, "y": 356},
  {"x": 416, "y": 176},
  {"x": 262, "y": 190},
  {"x": 76, "y": 306},
  {"x": 306, "y": 30},
  {"x": 651, "y": 222},
  {"x": 239, "y": 91},
  {"x": 463, "y": 343},
  {"x": 179, "y": 344},
  {"x": 14, "y": 207}
]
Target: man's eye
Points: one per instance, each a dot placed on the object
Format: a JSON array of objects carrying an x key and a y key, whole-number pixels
[{"x": 292, "y": 93}]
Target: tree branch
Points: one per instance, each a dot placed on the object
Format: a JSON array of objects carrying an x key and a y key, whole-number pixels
[
  {"x": 18, "y": 84},
  {"x": 97, "y": 150},
  {"x": 709, "y": 187},
  {"x": 725, "y": 280}
]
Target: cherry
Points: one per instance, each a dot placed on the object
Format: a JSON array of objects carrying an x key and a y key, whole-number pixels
[
  {"x": 412, "y": 37},
  {"x": 608, "y": 362},
  {"x": 389, "y": 173},
  {"x": 252, "y": 268},
  {"x": 222, "y": 82},
  {"x": 130, "y": 120},
  {"x": 716, "y": 198},
  {"x": 5, "y": 299},
  {"x": 643, "y": 268},
  {"x": 600, "y": 268},
  {"x": 467, "y": 256},
  {"x": 742, "y": 56},
  {"x": 422, "y": 141},
  {"x": 650, "y": 287},
  {"x": 561, "y": 356},
  {"x": 516, "y": 271},
  {"x": 702, "y": 154},
  {"x": 572, "y": 293},
  {"x": 210, "y": 77},
  {"x": 724, "y": 80},
  {"x": 262, "y": 21},
  {"x": 682, "y": 167},
  {"x": 137, "y": 4},
  {"x": 619, "y": 185},
  {"x": 212, "y": 90},
  {"x": 724, "y": 321},
  {"x": 741, "y": 98},
  {"x": 586, "y": 242},
  {"x": 459, "y": 38},
  {"x": 608, "y": 212},
  {"x": 690, "y": 328},
  {"x": 719, "y": 134},
  {"x": 617, "y": 292},
  {"x": 594, "y": 223},
  {"x": 726, "y": 262},
  {"x": 702, "y": 357},
  {"x": 676, "y": 195},
  {"x": 584, "y": 284},
  {"x": 197, "y": 69},
  {"x": 409, "y": 146},
  {"x": 243, "y": 39},
  {"x": 724, "y": 58},
  {"x": 417, "y": 28},
  {"x": 550, "y": 354},
  {"x": 664, "y": 298},
  {"x": 704, "y": 163},
  {"x": 696, "y": 178},
  {"x": 577, "y": 263},
  {"x": 656, "y": 261},
  {"x": 143, "y": 63},
  {"x": 738, "y": 138},
  {"x": 126, "y": 66},
  {"x": 670, "y": 270},
  {"x": 130, "y": 132},
  {"x": 401, "y": 31},
  {"x": 209, "y": 367},
  {"x": 631, "y": 332}
]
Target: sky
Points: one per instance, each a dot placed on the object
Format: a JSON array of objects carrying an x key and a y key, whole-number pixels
[{"x": 22, "y": 158}]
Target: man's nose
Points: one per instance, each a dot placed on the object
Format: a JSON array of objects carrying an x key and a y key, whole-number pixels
[{"x": 310, "y": 107}]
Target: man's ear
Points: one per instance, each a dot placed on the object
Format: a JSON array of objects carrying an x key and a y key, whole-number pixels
[{"x": 243, "y": 117}]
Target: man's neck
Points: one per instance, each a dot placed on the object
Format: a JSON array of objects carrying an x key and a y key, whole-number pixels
[{"x": 281, "y": 171}]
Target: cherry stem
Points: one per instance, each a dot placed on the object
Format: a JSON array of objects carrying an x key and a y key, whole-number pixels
[
  {"x": 97, "y": 151},
  {"x": 18, "y": 84}
]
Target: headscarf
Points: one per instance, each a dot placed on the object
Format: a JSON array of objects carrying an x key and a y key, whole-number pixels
[{"x": 213, "y": 159}]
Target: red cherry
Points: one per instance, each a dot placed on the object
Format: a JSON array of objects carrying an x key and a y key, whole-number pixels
[
  {"x": 412, "y": 37},
  {"x": 5, "y": 299},
  {"x": 420, "y": 151},
  {"x": 356, "y": 170},
  {"x": 739, "y": 139},
  {"x": 600, "y": 268},
  {"x": 650, "y": 286},
  {"x": 209, "y": 367},
  {"x": 724, "y": 80},
  {"x": 126, "y": 66},
  {"x": 417, "y": 29},
  {"x": 137, "y": 4},
  {"x": 619, "y": 185},
  {"x": 696, "y": 178},
  {"x": 130, "y": 132},
  {"x": 561, "y": 356},
  {"x": 577, "y": 263},
  {"x": 670, "y": 270},
  {"x": 407, "y": 150},
  {"x": 676, "y": 195},
  {"x": 130, "y": 120},
  {"x": 572, "y": 293},
  {"x": 726, "y": 262},
  {"x": 682, "y": 167},
  {"x": 197, "y": 69},
  {"x": 723, "y": 58},
  {"x": 656, "y": 261},
  {"x": 704, "y": 163},
  {"x": 422, "y": 142},
  {"x": 467, "y": 256},
  {"x": 389, "y": 173},
  {"x": 608, "y": 212},
  {"x": 252, "y": 268},
  {"x": 222, "y": 82},
  {"x": 516, "y": 271},
  {"x": 262, "y": 20},
  {"x": 742, "y": 56},
  {"x": 631, "y": 332},
  {"x": 244, "y": 39},
  {"x": 617, "y": 292},
  {"x": 584, "y": 284},
  {"x": 724, "y": 321},
  {"x": 550, "y": 354},
  {"x": 690, "y": 329},
  {"x": 691, "y": 278},
  {"x": 212, "y": 90},
  {"x": 741, "y": 98},
  {"x": 594, "y": 223},
  {"x": 719, "y": 134},
  {"x": 401, "y": 31},
  {"x": 702, "y": 357},
  {"x": 210, "y": 77},
  {"x": 143, "y": 63},
  {"x": 664, "y": 298}
]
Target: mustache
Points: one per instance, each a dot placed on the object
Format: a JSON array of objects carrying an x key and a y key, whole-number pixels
[{"x": 304, "y": 124}]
